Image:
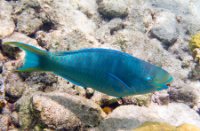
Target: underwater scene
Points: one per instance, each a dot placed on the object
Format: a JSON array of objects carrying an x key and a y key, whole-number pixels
[{"x": 99, "y": 65}]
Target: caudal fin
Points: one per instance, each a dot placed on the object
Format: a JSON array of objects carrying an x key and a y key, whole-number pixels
[{"x": 33, "y": 57}]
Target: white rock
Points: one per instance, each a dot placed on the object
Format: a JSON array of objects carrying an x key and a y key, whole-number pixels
[
  {"x": 7, "y": 24},
  {"x": 113, "y": 8},
  {"x": 176, "y": 6},
  {"x": 28, "y": 21},
  {"x": 188, "y": 94},
  {"x": 130, "y": 117},
  {"x": 164, "y": 28},
  {"x": 187, "y": 10},
  {"x": 54, "y": 114},
  {"x": 64, "y": 13},
  {"x": 63, "y": 40},
  {"x": 194, "y": 17},
  {"x": 16, "y": 36},
  {"x": 65, "y": 111},
  {"x": 107, "y": 29},
  {"x": 4, "y": 122},
  {"x": 14, "y": 87},
  {"x": 88, "y": 7}
]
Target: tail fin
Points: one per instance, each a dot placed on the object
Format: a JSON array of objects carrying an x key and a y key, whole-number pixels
[{"x": 33, "y": 57}]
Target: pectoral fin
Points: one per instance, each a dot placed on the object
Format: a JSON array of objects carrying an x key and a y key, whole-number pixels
[
  {"x": 71, "y": 80},
  {"x": 118, "y": 81}
]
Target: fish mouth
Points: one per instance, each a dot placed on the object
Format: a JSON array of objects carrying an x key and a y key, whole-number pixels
[
  {"x": 164, "y": 85},
  {"x": 167, "y": 83}
]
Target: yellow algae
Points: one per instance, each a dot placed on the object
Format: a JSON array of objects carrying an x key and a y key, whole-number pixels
[
  {"x": 157, "y": 126},
  {"x": 107, "y": 110},
  {"x": 195, "y": 42},
  {"x": 195, "y": 46},
  {"x": 187, "y": 127}
]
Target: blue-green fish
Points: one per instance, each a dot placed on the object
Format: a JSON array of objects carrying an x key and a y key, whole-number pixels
[{"x": 109, "y": 71}]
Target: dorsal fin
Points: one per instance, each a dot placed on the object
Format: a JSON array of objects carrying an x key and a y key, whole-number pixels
[
  {"x": 84, "y": 50},
  {"x": 60, "y": 53}
]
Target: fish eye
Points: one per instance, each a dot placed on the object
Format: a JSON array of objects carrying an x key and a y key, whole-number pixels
[
  {"x": 168, "y": 84},
  {"x": 149, "y": 78}
]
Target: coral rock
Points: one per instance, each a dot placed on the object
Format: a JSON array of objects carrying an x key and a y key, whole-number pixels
[
  {"x": 64, "y": 111},
  {"x": 14, "y": 87},
  {"x": 7, "y": 24},
  {"x": 28, "y": 22},
  {"x": 165, "y": 28},
  {"x": 113, "y": 8}
]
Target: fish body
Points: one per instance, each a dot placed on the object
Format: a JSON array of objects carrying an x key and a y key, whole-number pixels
[{"x": 109, "y": 71}]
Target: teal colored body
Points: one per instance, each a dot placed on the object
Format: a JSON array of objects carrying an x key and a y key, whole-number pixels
[{"x": 109, "y": 71}]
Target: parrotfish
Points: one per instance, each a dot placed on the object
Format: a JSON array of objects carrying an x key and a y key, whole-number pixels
[{"x": 112, "y": 72}]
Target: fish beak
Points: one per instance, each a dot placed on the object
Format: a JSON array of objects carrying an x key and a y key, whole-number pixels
[
  {"x": 170, "y": 80},
  {"x": 165, "y": 85},
  {"x": 168, "y": 84}
]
